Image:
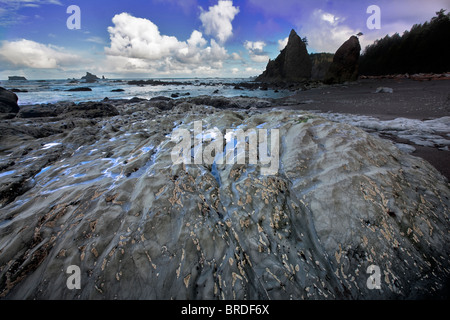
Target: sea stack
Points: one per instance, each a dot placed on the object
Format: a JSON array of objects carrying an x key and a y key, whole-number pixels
[
  {"x": 90, "y": 78},
  {"x": 345, "y": 62},
  {"x": 293, "y": 64},
  {"x": 16, "y": 78}
]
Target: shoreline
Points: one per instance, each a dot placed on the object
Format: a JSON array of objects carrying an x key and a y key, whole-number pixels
[
  {"x": 420, "y": 100},
  {"x": 410, "y": 99}
]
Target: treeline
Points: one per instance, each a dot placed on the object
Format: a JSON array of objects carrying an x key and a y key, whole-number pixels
[{"x": 423, "y": 49}]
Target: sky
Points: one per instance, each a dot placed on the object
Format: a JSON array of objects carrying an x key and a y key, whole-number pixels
[{"x": 183, "y": 38}]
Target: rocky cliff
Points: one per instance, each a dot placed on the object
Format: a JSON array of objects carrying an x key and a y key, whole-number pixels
[
  {"x": 345, "y": 62},
  {"x": 293, "y": 64}
]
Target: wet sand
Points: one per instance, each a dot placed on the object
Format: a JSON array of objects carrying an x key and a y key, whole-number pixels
[{"x": 421, "y": 100}]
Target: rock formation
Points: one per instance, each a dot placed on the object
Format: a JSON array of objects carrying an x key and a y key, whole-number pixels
[
  {"x": 90, "y": 78},
  {"x": 345, "y": 62},
  {"x": 16, "y": 78},
  {"x": 80, "y": 89},
  {"x": 320, "y": 64},
  {"x": 293, "y": 64},
  {"x": 8, "y": 101},
  {"x": 104, "y": 195}
]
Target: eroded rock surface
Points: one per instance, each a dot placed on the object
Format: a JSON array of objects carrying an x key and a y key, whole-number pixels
[{"x": 104, "y": 194}]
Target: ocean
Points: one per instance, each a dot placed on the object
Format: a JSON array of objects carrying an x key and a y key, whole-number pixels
[{"x": 52, "y": 91}]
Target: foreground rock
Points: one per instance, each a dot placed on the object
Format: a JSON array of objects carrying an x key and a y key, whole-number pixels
[
  {"x": 105, "y": 195},
  {"x": 8, "y": 101},
  {"x": 69, "y": 109},
  {"x": 345, "y": 62},
  {"x": 293, "y": 64}
]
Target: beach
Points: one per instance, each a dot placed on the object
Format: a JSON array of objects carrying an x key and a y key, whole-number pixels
[
  {"x": 97, "y": 185},
  {"x": 415, "y": 100}
]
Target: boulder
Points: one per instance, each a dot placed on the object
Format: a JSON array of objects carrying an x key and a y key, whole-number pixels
[
  {"x": 39, "y": 111},
  {"x": 293, "y": 64},
  {"x": 80, "y": 89},
  {"x": 345, "y": 62},
  {"x": 8, "y": 101},
  {"x": 91, "y": 110}
]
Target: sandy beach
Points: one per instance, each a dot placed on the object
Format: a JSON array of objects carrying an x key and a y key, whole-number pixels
[{"x": 421, "y": 100}]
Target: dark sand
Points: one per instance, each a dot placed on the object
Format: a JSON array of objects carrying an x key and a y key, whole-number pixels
[{"x": 422, "y": 100}]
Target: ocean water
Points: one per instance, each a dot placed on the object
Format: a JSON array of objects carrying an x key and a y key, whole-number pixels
[{"x": 51, "y": 91}]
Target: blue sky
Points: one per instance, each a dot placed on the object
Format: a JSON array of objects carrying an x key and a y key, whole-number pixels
[{"x": 183, "y": 38}]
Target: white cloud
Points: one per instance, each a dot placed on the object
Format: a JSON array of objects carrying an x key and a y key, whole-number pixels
[
  {"x": 282, "y": 43},
  {"x": 256, "y": 51},
  {"x": 236, "y": 56},
  {"x": 217, "y": 20},
  {"x": 138, "y": 46},
  {"x": 30, "y": 3},
  {"x": 97, "y": 40},
  {"x": 326, "y": 32},
  {"x": 31, "y": 54},
  {"x": 9, "y": 9}
]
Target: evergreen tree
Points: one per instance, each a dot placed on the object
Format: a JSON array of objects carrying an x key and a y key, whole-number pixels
[{"x": 425, "y": 48}]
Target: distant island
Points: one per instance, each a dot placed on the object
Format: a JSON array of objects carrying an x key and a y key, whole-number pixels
[
  {"x": 90, "y": 78},
  {"x": 16, "y": 78}
]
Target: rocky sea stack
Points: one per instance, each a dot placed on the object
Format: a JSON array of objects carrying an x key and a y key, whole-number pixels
[
  {"x": 293, "y": 64},
  {"x": 16, "y": 78},
  {"x": 345, "y": 62},
  {"x": 90, "y": 78}
]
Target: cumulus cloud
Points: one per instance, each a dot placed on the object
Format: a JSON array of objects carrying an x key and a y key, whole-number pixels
[
  {"x": 236, "y": 56},
  {"x": 31, "y": 54},
  {"x": 256, "y": 51},
  {"x": 217, "y": 20},
  {"x": 328, "y": 32},
  {"x": 138, "y": 46}
]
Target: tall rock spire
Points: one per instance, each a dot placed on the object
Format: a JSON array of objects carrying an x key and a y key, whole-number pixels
[
  {"x": 345, "y": 62},
  {"x": 292, "y": 64}
]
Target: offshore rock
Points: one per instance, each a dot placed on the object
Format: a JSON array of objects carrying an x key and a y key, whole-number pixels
[
  {"x": 16, "y": 78},
  {"x": 90, "y": 78},
  {"x": 105, "y": 195},
  {"x": 345, "y": 62},
  {"x": 293, "y": 64}
]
